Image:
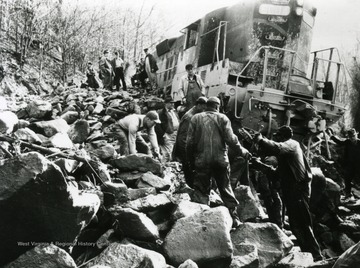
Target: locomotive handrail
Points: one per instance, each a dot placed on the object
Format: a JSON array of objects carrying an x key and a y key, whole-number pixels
[
  {"x": 256, "y": 52},
  {"x": 264, "y": 71},
  {"x": 315, "y": 69}
]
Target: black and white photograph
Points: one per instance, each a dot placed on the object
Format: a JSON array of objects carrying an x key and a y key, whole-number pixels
[{"x": 179, "y": 134}]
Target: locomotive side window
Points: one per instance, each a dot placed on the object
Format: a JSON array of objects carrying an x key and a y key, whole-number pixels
[{"x": 191, "y": 35}]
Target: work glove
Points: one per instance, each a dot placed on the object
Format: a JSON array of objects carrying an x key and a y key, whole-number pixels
[{"x": 257, "y": 137}]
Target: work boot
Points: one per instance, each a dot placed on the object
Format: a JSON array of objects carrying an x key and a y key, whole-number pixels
[{"x": 235, "y": 218}]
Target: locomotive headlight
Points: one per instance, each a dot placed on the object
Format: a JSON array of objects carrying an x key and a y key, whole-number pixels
[
  {"x": 300, "y": 2},
  {"x": 299, "y": 11},
  {"x": 232, "y": 91}
]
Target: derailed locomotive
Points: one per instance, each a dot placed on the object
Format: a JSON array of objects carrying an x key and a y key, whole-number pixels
[{"x": 256, "y": 56}]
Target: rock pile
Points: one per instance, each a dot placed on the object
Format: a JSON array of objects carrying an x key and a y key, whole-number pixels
[{"x": 69, "y": 200}]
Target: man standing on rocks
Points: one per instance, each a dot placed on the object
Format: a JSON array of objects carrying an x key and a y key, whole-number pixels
[
  {"x": 295, "y": 175},
  {"x": 106, "y": 71},
  {"x": 118, "y": 66},
  {"x": 129, "y": 135},
  {"x": 351, "y": 158},
  {"x": 209, "y": 133},
  {"x": 179, "y": 151},
  {"x": 151, "y": 68},
  {"x": 167, "y": 130}
]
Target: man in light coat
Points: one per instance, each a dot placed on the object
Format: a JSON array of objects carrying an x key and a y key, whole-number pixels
[{"x": 190, "y": 89}]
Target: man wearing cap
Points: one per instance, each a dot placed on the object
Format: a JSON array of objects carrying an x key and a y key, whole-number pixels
[
  {"x": 129, "y": 135},
  {"x": 106, "y": 71},
  {"x": 118, "y": 67},
  {"x": 180, "y": 144},
  {"x": 151, "y": 68},
  {"x": 206, "y": 150},
  {"x": 351, "y": 158},
  {"x": 167, "y": 130},
  {"x": 191, "y": 88},
  {"x": 295, "y": 177}
]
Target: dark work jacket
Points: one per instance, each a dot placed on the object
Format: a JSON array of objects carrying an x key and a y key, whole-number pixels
[
  {"x": 293, "y": 168},
  {"x": 351, "y": 153},
  {"x": 152, "y": 61},
  {"x": 208, "y": 136},
  {"x": 179, "y": 150},
  {"x": 165, "y": 126}
]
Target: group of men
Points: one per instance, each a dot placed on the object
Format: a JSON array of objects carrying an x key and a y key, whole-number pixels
[
  {"x": 112, "y": 71},
  {"x": 200, "y": 140}
]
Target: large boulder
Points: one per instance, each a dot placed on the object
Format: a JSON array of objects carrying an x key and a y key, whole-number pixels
[
  {"x": 38, "y": 205},
  {"x": 50, "y": 128},
  {"x": 79, "y": 131},
  {"x": 139, "y": 162},
  {"x": 44, "y": 256},
  {"x": 201, "y": 237},
  {"x": 134, "y": 224},
  {"x": 8, "y": 120},
  {"x": 39, "y": 109},
  {"x": 248, "y": 207},
  {"x": 271, "y": 242},
  {"x": 118, "y": 255}
]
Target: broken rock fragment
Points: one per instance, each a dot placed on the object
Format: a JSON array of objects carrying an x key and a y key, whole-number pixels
[
  {"x": 134, "y": 224},
  {"x": 248, "y": 208},
  {"x": 151, "y": 180},
  {"x": 245, "y": 256},
  {"x": 139, "y": 162}
]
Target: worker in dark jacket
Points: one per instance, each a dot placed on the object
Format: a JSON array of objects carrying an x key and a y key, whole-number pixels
[
  {"x": 151, "y": 68},
  {"x": 295, "y": 175},
  {"x": 179, "y": 151},
  {"x": 206, "y": 150},
  {"x": 351, "y": 158},
  {"x": 166, "y": 131},
  {"x": 106, "y": 71}
]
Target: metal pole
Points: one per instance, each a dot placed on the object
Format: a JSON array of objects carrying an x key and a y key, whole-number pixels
[
  {"x": 289, "y": 73},
  {"x": 265, "y": 68},
  {"x": 336, "y": 82},
  {"x": 224, "y": 48},
  {"x": 329, "y": 64},
  {"x": 315, "y": 74},
  {"x": 313, "y": 67}
]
